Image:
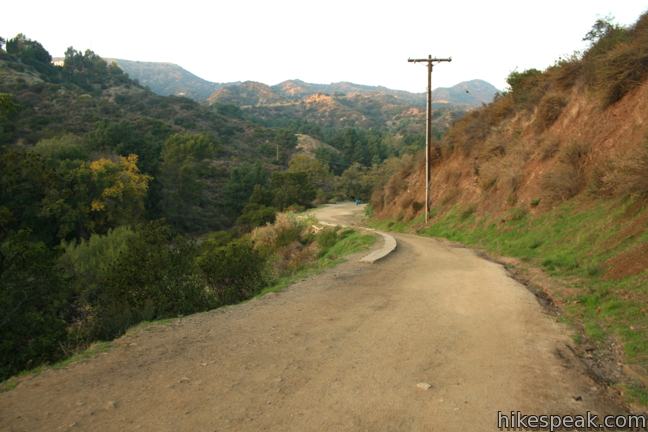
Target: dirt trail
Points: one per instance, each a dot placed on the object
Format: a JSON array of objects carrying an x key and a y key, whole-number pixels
[{"x": 343, "y": 351}]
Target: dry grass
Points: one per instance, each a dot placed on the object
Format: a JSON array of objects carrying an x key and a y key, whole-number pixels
[
  {"x": 549, "y": 110},
  {"x": 567, "y": 178},
  {"x": 562, "y": 182},
  {"x": 628, "y": 173}
]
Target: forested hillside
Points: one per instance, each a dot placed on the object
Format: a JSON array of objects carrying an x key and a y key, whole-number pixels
[{"x": 119, "y": 205}]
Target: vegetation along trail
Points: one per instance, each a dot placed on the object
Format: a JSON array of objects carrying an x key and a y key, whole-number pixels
[{"x": 352, "y": 349}]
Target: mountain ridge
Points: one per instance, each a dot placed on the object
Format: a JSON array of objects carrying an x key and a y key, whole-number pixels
[{"x": 171, "y": 79}]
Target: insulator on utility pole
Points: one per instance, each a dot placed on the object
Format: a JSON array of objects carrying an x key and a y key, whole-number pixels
[{"x": 428, "y": 125}]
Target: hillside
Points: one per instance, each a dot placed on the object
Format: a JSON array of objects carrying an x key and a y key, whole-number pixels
[
  {"x": 465, "y": 94},
  {"x": 167, "y": 79},
  {"x": 341, "y": 105},
  {"x": 471, "y": 93},
  {"x": 96, "y": 105},
  {"x": 554, "y": 172},
  {"x": 248, "y": 93}
]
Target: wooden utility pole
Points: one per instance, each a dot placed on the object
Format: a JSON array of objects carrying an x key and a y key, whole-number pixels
[{"x": 428, "y": 126}]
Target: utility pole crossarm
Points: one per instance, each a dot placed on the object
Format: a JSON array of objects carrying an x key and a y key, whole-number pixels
[
  {"x": 428, "y": 125},
  {"x": 430, "y": 59}
]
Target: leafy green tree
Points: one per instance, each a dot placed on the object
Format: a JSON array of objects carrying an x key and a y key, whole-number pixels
[
  {"x": 183, "y": 173},
  {"x": 131, "y": 137},
  {"x": 318, "y": 174},
  {"x": 356, "y": 182},
  {"x": 25, "y": 180},
  {"x": 240, "y": 185},
  {"x": 291, "y": 188},
  {"x": 30, "y": 52},
  {"x": 93, "y": 197},
  {"x": 90, "y": 72},
  {"x": 34, "y": 304}
]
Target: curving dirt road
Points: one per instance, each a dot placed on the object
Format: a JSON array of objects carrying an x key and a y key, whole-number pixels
[{"x": 343, "y": 351}]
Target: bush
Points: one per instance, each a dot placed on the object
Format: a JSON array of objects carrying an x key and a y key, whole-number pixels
[
  {"x": 327, "y": 239},
  {"x": 153, "y": 278},
  {"x": 285, "y": 230},
  {"x": 255, "y": 215},
  {"x": 527, "y": 87},
  {"x": 617, "y": 61},
  {"x": 87, "y": 265},
  {"x": 62, "y": 148},
  {"x": 627, "y": 173},
  {"x": 549, "y": 110},
  {"x": 33, "y": 305},
  {"x": 562, "y": 182},
  {"x": 234, "y": 272}
]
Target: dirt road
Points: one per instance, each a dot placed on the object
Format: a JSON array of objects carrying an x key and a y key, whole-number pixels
[{"x": 343, "y": 351}]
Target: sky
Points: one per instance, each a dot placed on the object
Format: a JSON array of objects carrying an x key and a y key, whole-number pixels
[{"x": 366, "y": 42}]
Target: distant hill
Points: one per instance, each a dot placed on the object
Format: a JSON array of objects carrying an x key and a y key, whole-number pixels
[
  {"x": 168, "y": 79},
  {"x": 346, "y": 104},
  {"x": 471, "y": 93},
  {"x": 245, "y": 94},
  {"x": 340, "y": 104}
]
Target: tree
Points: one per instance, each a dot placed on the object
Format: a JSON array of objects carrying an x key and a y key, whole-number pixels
[
  {"x": 601, "y": 27},
  {"x": 28, "y": 51},
  {"x": 242, "y": 181},
  {"x": 317, "y": 172},
  {"x": 93, "y": 197},
  {"x": 183, "y": 172},
  {"x": 25, "y": 181},
  {"x": 291, "y": 188},
  {"x": 120, "y": 191},
  {"x": 34, "y": 304},
  {"x": 356, "y": 182}
]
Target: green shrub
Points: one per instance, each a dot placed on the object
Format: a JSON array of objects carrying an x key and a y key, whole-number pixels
[
  {"x": 527, "y": 87},
  {"x": 233, "y": 272},
  {"x": 33, "y": 305},
  {"x": 154, "y": 277},
  {"x": 255, "y": 215},
  {"x": 62, "y": 148},
  {"x": 327, "y": 238},
  {"x": 87, "y": 265}
]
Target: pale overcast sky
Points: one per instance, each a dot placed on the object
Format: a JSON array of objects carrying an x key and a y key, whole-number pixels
[{"x": 366, "y": 42}]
